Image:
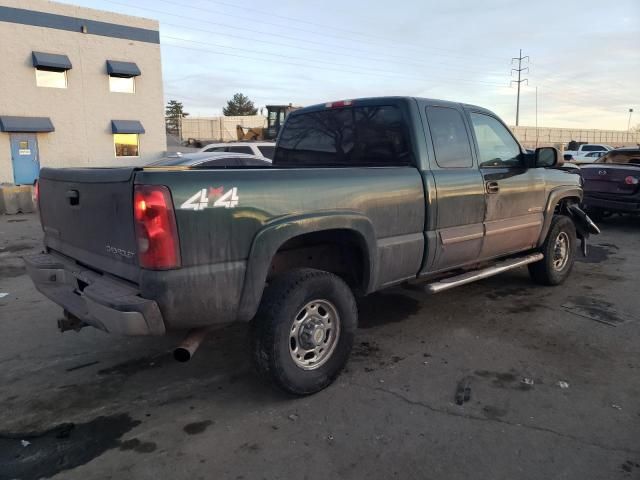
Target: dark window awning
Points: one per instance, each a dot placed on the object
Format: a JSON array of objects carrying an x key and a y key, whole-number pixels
[
  {"x": 122, "y": 69},
  {"x": 126, "y": 126},
  {"x": 25, "y": 124},
  {"x": 51, "y": 61}
]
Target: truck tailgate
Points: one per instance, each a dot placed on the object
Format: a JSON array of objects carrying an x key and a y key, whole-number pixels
[{"x": 87, "y": 214}]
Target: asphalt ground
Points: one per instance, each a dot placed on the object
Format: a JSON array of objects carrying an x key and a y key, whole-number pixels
[{"x": 90, "y": 405}]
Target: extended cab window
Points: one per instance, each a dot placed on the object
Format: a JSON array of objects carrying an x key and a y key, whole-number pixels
[
  {"x": 449, "y": 136},
  {"x": 353, "y": 136},
  {"x": 496, "y": 146}
]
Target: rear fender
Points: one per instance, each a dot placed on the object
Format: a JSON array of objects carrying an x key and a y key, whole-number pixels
[{"x": 269, "y": 239}]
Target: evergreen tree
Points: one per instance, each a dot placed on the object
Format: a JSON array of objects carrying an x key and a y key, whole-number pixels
[{"x": 239, "y": 105}]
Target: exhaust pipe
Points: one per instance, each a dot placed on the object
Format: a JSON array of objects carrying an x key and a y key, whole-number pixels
[
  {"x": 70, "y": 322},
  {"x": 190, "y": 344}
]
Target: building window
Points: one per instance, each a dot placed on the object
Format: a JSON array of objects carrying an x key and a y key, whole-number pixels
[
  {"x": 122, "y": 84},
  {"x": 51, "y": 78},
  {"x": 126, "y": 144}
]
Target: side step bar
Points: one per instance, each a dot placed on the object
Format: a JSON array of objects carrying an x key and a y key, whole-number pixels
[{"x": 474, "y": 275}]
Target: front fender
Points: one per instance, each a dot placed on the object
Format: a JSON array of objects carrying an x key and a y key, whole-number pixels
[
  {"x": 273, "y": 235},
  {"x": 555, "y": 196}
]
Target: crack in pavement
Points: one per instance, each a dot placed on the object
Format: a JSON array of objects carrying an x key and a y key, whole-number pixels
[{"x": 497, "y": 420}]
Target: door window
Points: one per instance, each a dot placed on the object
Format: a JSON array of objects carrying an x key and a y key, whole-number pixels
[
  {"x": 449, "y": 136},
  {"x": 496, "y": 146}
]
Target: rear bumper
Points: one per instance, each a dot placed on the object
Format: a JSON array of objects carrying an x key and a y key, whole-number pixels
[
  {"x": 100, "y": 301},
  {"x": 631, "y": 205}
]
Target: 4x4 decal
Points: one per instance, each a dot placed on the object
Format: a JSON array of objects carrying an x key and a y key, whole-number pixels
[{"x": 200, "y": 200}]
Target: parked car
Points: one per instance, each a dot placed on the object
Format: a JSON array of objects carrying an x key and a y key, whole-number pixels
[
  {"x": 587, "y": 148},
  {"x": 612, "y": 184},
  {"x": 586, "y": 158},
  {"x": 364, "y": 194},
  {"x": 261, "y": 149},
  {"x": 213, "y": 160}
]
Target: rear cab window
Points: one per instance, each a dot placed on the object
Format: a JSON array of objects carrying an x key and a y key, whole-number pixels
[{"x": 351, "y": 136}]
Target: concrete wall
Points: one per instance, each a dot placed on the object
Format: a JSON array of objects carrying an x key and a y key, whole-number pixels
[
  {"x": 218, "y": 129},
  {"x": 81, "y": 113},
  {"x": 545, "y": 137}
]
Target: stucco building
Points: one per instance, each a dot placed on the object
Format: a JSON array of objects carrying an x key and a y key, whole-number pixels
[{"x": 78, "y": 87}]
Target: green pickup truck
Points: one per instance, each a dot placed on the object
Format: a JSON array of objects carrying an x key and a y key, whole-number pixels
[{"x": 362, "y": 195}]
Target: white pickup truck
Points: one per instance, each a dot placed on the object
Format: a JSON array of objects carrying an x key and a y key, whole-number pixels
[{"x": 587, "y": 152}]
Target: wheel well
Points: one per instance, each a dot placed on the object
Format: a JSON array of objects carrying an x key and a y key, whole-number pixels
[
  {"x": 338, "y": 251},
  {"x": 563, "y": 203}
]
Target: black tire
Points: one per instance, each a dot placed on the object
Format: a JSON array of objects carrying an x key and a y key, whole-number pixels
[
  {"x": 546, "y": 271},
  {"x": 272, "y": 330}
]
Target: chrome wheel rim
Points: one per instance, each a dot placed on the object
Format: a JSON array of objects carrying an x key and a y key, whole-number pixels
[
  {"x": 561, "y": 251},
  {"x": 314, "y": 334}
]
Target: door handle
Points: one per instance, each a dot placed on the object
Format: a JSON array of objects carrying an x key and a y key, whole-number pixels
[{"x": 492, "y": 187}]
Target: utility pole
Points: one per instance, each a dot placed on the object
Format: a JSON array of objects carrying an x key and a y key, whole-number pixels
[
  {"x": 629, "y": 122},
  {"x": 519, "y": 58},
  {"x": 536, "y": 116}
]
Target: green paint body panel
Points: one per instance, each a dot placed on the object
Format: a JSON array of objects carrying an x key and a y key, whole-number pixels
[{"x": 407, "y": 221}]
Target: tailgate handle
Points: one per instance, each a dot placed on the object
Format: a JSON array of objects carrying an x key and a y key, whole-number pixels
[{"x": 73, "y": 196}]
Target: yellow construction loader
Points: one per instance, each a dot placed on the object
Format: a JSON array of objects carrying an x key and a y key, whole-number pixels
[{"x": 275, "y": 119}]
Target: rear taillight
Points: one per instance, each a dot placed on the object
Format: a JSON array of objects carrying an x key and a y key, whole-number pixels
[
  {"x": 156, "y": 231},
  {"x": 631, "y": 180}
]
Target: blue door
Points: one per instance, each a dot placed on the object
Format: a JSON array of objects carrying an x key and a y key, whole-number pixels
[{"x": 24, "y": 154}]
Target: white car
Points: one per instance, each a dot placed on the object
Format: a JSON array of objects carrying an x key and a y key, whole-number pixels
[{"x": 260, "y": 149}]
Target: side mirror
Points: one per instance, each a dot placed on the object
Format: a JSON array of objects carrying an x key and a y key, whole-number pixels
[{"x": 546, "y": 157}]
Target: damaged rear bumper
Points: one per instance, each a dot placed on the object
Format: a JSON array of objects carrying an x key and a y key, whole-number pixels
[{"x": 97, "y": 300}]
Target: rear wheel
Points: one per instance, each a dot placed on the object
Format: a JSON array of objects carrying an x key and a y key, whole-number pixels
[
  {"x": 303, "y": 333},
  {"x": 559, "y": 253}
]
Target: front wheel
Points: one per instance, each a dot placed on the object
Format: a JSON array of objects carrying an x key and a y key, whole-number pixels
[
  {"x": 559, "y": 250},
  {"x": 303, "y": 333}
]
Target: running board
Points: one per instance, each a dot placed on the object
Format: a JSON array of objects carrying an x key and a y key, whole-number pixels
[{"x": 472, "y": 276}]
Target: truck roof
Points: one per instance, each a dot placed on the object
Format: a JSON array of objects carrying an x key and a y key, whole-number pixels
[{"x": 393, "y": 99}]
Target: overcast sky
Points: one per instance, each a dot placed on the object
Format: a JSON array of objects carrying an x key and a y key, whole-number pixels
[{"x": 584, "y": 55}]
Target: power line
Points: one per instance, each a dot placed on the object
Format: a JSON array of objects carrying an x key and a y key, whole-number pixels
[
  {"x": 341, "y": 70},
  {"x": 252, "y": 30},
  {"x": 306, "y": 30},
  {"x": 519, "y": 81},
  {"x": 310, "y": 49},
  {"x": 360, "y": 69}
]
